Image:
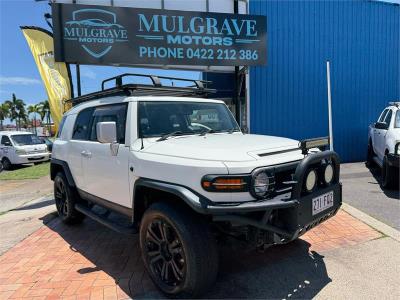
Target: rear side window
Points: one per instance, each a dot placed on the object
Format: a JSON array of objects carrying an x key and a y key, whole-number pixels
[
  {"x": 397, "y": 120},
  {"x": 82, "y": 124},
  {"x": 110, "y": 113}
]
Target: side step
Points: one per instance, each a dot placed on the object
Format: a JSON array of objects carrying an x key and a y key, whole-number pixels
[
  {"x": 377, "y": 161},
  {"x": 104, "y": 221}
]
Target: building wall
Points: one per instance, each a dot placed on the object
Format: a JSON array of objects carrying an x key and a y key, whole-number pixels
[{"x": 288, "y": 97}]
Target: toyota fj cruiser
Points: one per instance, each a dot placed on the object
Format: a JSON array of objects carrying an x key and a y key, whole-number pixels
[{"x": 177, "y": 165}]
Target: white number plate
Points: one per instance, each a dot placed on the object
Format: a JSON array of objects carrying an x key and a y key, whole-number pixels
[{"x": 322, "y": 203}]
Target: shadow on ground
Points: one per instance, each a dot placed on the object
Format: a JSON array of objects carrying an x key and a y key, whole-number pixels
[
  {"x": 287, "y": 271},
  {"x": 376, "y": 172}
]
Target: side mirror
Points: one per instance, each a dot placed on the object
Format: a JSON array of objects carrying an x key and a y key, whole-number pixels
[
  {"x": 106, "y": 132},
  {"x": 381, "y": 125}
]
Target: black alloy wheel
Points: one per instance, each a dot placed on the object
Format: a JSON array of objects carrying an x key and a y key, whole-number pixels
[
  {"x": 65, "y": 198},
  {"x": 179, "y": 250},
  {"x": 165, "y": 252}
]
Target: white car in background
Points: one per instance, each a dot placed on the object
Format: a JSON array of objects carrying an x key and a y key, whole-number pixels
[
  {"x": 384, "y": 144},
  {"x": 18, "y": 148}
]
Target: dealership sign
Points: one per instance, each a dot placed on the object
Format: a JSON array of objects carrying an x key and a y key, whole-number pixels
[{"x": 91, "y": 34}]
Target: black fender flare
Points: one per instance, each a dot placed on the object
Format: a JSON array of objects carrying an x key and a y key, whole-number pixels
[
  {"x": 55, "y": 164},
  {"x": 195, "y": 201}
]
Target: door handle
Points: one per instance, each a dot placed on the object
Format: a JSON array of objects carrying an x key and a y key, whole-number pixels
[{"x": 86, "y": 153}]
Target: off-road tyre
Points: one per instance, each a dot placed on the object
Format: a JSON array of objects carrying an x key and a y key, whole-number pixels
[
  {"x": 6, "y": 164},
  {"x": 390, "y": 176},
  {"x": 65, "y": 198},
  {"x": 175, "y": 241}
]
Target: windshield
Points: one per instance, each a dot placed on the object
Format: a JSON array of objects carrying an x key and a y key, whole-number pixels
[
  {"x": 25, "y": 139},
  {"x": 397, "y": 119},
  {"x": 159, "y": 118}
]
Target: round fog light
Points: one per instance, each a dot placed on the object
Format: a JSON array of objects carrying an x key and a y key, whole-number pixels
[
  {"x": 328, "y": 174},
  {"x": 311, "y": 181}
]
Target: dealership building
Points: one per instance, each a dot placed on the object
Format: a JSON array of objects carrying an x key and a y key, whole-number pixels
[{"x": 286, "y": 94}]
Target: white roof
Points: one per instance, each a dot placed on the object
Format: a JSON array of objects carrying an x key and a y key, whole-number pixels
[{"x": 14, "y": 132}]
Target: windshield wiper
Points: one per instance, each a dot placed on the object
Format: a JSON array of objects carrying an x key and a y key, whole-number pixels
[
  {"x": 168, "y": 135},
  {"x": 232, "y": 130},
  {"x": 204, "y": 132}
]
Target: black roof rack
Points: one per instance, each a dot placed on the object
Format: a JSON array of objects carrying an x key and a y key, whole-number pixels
[{"x": 199, "y": 88}]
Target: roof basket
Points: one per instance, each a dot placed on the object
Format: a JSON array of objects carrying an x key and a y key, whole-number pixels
[
  {"x": 155, "y": 88},
  {"x": 395, "y": 103}
]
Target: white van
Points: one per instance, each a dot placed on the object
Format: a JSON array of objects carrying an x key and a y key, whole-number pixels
[{"x": 18, "y": 148}]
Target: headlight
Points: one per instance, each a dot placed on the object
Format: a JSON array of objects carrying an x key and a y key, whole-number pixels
[
  {"x": 328, "y": 174},
  {"x": 20, "y": 152},
  {"x": 311, "y": 181},
  {"x": 262, "y": 184}
]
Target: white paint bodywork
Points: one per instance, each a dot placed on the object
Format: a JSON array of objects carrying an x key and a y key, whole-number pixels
[
  {"x": 383, "y": 141},
  {"x": 37, "y": 152},
  {"x": 182, "y": 160}
]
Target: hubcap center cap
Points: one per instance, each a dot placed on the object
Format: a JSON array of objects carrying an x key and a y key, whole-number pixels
[{"x": 166, "y": 254}]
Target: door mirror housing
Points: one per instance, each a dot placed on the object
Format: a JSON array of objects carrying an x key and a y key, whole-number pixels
[
  {"x": 381, "y": 125},
  {"x": 106, "y": 132}
]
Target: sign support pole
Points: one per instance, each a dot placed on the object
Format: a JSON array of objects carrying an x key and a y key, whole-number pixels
[
  {"x": 78, "y": 79},
  {"x": 237, "y": 75},
  {"x": 328, "y": 79}
]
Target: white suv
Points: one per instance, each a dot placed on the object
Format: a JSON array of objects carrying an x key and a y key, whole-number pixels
[
  {"x": 18, "y": 147},
  {"x": 384, "y": 144},
  {"x": 183, "y": 173}
]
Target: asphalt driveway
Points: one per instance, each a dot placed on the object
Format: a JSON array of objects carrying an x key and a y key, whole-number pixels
[{"x": 361, "y": 189}]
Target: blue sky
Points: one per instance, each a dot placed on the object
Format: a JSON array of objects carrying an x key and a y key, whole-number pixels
[{"x": 18, "y": 72}]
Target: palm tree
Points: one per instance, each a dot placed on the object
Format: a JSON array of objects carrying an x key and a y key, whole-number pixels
[
  {"x": 17, "y": 109},
  {"x": 44, "y": 112},
  {"x": 4, "y": 113},
  {"x": 34, "y": 109}
]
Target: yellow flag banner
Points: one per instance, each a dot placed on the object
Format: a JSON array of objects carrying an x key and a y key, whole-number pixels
[{"x": 56, "y": 76}]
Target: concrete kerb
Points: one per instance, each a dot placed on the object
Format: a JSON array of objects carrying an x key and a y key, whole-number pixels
[{"x": 374, "y": 223}]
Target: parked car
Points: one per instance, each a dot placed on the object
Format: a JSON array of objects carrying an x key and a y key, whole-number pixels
[
  {"x": 384, "y": 144},
  {"x": 182, "y": 172},
  {"x": 48, "y": 142},
  {"x": 18, "y": 148}
]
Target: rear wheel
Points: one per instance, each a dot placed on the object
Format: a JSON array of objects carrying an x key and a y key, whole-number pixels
[
  {"x": 6, "y": 164},
  {"x": 178, "y": 250},
  {"x": 390, "y": 175},
  {"x": 65, "y": 198}
]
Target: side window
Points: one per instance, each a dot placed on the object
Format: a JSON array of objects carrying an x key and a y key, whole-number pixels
[
  {"x": 110, "y": 113},
  {"x": 60, "y": 127},
  {"x": 5, "y": 140},
  {"x": 388, "y": 117},
  {"x": 82, "y": 123},
  {"x": 382, "y": 116}
]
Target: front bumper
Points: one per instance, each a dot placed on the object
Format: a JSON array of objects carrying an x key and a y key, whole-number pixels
[
  {"x": 31, "y": 158},
  {"x": 288, "y": 217},
  {"x": 393, "y": 160}
]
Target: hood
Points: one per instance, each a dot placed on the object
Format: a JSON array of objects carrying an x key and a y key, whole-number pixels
[
  {"x": 221, "y": 146},
  {"x": 32, "y": 148}
]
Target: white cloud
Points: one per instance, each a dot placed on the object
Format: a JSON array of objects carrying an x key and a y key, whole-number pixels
[
  {"x": 88, "y": 73},
  {"x": 18, "y": 81}
]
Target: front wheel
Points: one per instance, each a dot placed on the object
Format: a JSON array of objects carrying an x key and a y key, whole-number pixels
[
  {"x": 179, "y": 251},
  {"x": 389, "y": 175},
  {"x": 7, "y": 164}
]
